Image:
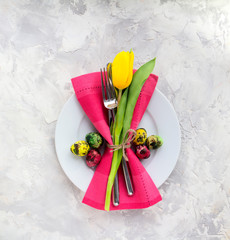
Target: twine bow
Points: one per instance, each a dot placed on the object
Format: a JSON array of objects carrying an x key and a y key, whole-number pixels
[{"x": 126, "y": 143}]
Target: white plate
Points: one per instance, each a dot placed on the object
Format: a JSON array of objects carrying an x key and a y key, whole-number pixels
[{"x": 159, "y": 119}]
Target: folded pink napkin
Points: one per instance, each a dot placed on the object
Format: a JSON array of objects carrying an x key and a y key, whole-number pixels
[{"x": 89, "y": 94}]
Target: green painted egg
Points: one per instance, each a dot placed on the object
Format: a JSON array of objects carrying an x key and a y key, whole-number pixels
[
  {"x": 94, "y": 139},
  {"x": 154, "y": 142}
]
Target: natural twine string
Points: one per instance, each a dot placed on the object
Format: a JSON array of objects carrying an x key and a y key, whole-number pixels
[{"x": 126, "y": 143}]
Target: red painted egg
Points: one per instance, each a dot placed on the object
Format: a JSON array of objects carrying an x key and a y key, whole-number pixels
[
  {"x": 142, "y": 151},
  {"x": 93, "y": 158}
]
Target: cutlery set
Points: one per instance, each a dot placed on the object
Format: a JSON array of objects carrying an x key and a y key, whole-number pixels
[{"x": 111, "y": 103}]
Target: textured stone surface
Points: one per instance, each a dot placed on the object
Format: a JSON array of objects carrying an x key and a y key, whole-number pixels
[{"x": 45, "y": 43}]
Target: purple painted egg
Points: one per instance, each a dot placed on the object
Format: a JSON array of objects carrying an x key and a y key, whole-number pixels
[
  {"x": 93, "y": 158},
  {"x": 142, "y": 151}
]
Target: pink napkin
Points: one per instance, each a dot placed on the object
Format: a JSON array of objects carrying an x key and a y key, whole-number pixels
[{"x": 89, "y": 94}]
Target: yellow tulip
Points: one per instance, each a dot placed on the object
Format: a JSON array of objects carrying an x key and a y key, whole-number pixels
[{"x": 122, "y": 69}]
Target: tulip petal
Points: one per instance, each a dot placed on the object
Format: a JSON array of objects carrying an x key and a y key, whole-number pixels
[
  {"x": 131, "y": 60},
  {"x": 120, "y": 70}
]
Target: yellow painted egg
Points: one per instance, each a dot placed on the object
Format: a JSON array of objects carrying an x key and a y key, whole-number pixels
[
  {"x": 80, "y": 148},
  {"x": 140, "y": 137},
  {"x": 154, "y": 142}
]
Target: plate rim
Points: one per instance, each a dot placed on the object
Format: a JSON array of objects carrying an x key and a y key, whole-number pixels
[{"x": 179, "y": 133}]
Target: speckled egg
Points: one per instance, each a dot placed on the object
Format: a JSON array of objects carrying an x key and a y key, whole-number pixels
[
  {"x": 80, "y": 148},
  {"x": 142, "y": 152},
  {"x": 93, "y": 158},
  {"x": 154, "y": 142},
  {"x": 94, "y": 139},
  {"x": 140, "y": 137}
]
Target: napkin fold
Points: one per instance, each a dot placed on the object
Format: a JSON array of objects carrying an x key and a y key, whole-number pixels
[{"x": 89, "y": 94}]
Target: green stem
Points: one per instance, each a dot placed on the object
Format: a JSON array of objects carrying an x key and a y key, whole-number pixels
[
  {"x": 110, "y": 183},
  {"x": 119, "y": 96}
]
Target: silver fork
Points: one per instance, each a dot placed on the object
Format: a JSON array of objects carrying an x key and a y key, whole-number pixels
[{"x": 110, "y": 102}]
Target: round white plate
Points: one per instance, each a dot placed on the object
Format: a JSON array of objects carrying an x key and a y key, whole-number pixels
[{"x": 159, "y": 119}]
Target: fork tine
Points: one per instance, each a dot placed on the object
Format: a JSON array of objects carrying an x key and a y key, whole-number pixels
[
  {"x": 111, "y": 89},
  {"x": 111, "y": 83},
  {"x": 107, "y": 86},
  {"x": 102, "y": 86}
]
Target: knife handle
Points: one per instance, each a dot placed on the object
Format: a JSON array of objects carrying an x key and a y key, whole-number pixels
[
  {"x": 116, "y": 191},
  {"x": 128, "y": 181}
]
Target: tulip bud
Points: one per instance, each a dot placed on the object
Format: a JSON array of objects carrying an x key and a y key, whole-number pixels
[{"x": 122, "y": 69}]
